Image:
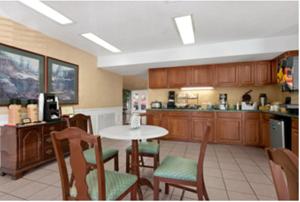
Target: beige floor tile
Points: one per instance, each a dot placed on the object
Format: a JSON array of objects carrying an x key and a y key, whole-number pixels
[
  {"x": 251, "y": 169},
  {"x": 214, "y": 182},
  {"x": 7, "y": 197},
  {"x": 238, "y": 186},
  {"x": 5, "y": 179},
  {"x": 230, "y": 166},
  {"x": 258, "y": 178},
  {"x": 263, "y": 189},
  {"x": 243, "y": 161},
  {"x": 14, "y": 185},
  {"x": 51, "y": 179},
  {"x": 236, "y": 196},
  {"x": 214, "y": 172},
  {"x": 267, "y": 198},
  {"x": 29, "y": 189},
  {"x": 234, "y": 175},
  {"x": 37, "y": 174},
  {"x": 217, "y": 194},
  {"x": 50, "y": 193}
]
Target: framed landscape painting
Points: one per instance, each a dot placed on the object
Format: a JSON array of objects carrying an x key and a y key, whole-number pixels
[
  {"x": 63, "y": 80},
  {"x": 21, "y": 74}
]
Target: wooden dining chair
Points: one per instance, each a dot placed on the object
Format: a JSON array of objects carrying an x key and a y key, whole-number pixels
[
  {"x": 91, "y": 181},
  {"x": 84, "y": 122},
  {"x": 284, "y": 168},
  {"x": 183, "y": 173},
  {"x": 149, "y": 149}
]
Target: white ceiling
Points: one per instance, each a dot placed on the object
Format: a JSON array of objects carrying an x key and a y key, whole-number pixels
[{"x": 136, "y": 27}]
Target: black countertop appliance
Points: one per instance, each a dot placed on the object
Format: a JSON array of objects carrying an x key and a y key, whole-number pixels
[{"x": 171, "y": 100}]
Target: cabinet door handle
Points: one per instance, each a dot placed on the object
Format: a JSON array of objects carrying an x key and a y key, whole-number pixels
[
  {"x": 49, "y": 151},
  {"x": 48, "y": 140}
]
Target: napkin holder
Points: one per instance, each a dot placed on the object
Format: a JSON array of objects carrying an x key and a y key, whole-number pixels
[{"x": 135, "y": 121}]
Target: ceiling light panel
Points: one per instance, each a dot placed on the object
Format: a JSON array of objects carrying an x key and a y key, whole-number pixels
[
  {"x": 94, "y": 38},
  {"x": 185, "y": 28},
  {"x": 46, "y": 11}
]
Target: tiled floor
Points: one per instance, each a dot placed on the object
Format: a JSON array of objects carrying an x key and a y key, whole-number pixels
[{"x": 231, "y": 173}]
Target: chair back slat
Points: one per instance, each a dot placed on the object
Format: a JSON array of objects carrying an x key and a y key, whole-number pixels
[
  {"x": 279, "y": 181},
  {"x": 201, "y": 160},
  {"x": 80, "y": 168},
  {"x": 288, "y": 163},
  {"x": 81, "y": 121}
]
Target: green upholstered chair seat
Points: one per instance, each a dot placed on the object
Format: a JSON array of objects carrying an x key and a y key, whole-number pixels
[
  {"x": 177, "y": 168},
  {"x": 147, "y": 147},
  {"x": 115, "y": 183},
  {"x": 90, "y": 157}
]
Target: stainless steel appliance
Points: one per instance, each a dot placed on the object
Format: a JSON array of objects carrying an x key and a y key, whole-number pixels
[
  {"x": 277, "y": 133},
  {"x": 171, "y": 100},
  {"x": 156, "y": 105},
  {"x": 223, "y": 101}
]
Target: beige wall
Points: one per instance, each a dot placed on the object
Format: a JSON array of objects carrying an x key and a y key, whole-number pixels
[
  {"x": 97, "y": 87},
  {"x": 234, "y": 94},
  {"x": 134, "y": 83}
]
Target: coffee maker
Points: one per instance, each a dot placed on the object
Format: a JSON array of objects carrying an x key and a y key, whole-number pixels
[
  {"x": 171, "y": 100},
  {"x": 48, "y": 107},
  {"x": 223, "y": 101}
]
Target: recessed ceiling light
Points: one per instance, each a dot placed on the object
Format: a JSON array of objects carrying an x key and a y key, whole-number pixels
[
  {"x": 92, "y": 37},
  {"x": 185, "y": 28},
  {"x": 47, "y": 11}
]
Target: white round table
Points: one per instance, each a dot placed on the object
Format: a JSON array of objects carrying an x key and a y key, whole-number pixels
[{"x": 124, "y": 132}]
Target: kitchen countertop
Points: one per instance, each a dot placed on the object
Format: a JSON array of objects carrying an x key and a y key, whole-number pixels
[{"x": 230, "y": 110}]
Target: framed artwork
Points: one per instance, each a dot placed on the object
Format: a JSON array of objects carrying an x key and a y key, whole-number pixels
[
  {"x": 21, "y": 74},
  {"x": 62, "y": 80}
]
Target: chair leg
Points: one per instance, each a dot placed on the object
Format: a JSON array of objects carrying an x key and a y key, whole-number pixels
[
  {"x": 156, "y": 188},
  {"x": 167, "y": 188},
  {"x": 133, "y": 193},
  {"x": 127, "y": 161},
  {"x": 155, "y": 162},
  {"x": 205, "y": 191},
  {"x": 116, "y": 162}
]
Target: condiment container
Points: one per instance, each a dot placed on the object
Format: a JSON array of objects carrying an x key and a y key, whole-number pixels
[
  {"x": 32, "y": 110},
  {"x": 14, "y": 111}
]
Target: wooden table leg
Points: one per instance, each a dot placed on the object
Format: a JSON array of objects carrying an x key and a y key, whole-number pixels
[{"x": 135, "y": 170}]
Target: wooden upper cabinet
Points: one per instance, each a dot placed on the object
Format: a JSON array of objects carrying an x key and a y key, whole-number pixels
[
  {"x": 274, "y": 65},
  {"x": 251, "y": 128},
  {"x": 226, "y": 75},
  {"x": 178, "y": 77},
  {"x": 262, "y": 73},
  {"x": 202, "y": 75},
  {"x": 158, "y": 78},
  {"x": 245, "y": 73}
]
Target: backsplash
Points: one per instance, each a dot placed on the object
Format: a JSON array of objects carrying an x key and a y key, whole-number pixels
[{"x": 234, "y": 94}]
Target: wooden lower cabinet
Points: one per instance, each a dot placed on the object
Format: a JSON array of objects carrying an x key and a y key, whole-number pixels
[
  {"x": 251, "y": 128},
  {"x": 198, "y": 125},
  {"x": 178, "y": 125},
  {"x": 228, "y": 127},
  {"x": 26, "y": 147},
  {"x": 154, "y": 118},
  {"x": 30, "y": 146},
  {"x": 295, "y": 134}
]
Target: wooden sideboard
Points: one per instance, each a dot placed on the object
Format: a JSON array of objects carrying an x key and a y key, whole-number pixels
[{"x": 28, "y": 146}]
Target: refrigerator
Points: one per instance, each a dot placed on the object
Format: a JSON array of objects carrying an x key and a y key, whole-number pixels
[{"x": 139, "y": 101}]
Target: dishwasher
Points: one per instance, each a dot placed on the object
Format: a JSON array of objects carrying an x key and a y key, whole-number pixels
[{"x": 280, "y": 133}]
